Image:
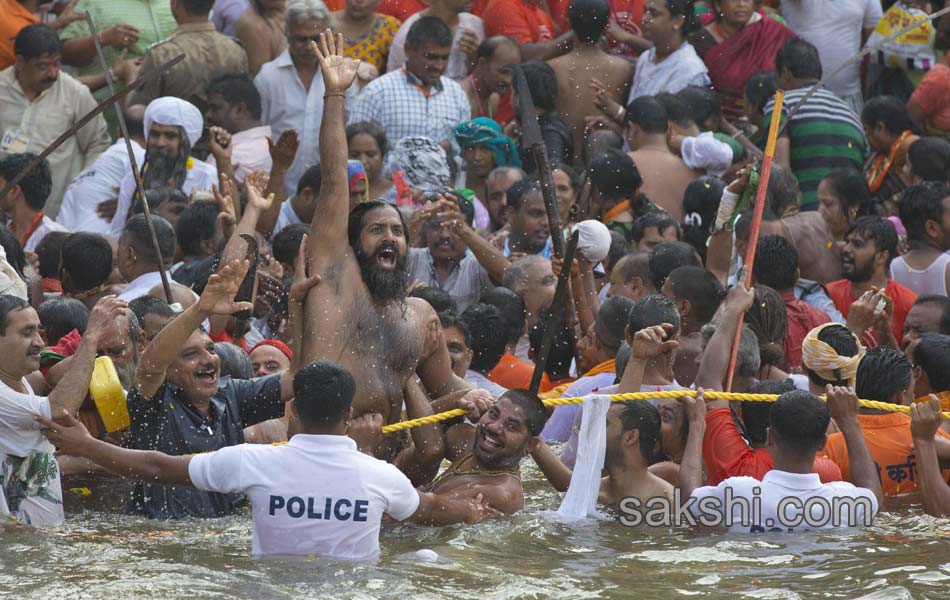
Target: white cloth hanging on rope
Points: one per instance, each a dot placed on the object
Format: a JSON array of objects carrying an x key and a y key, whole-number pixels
[{"x": 580, "y": 502}]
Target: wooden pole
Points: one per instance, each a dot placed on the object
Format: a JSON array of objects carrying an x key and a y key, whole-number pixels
[{"x": 756, "y": 222}]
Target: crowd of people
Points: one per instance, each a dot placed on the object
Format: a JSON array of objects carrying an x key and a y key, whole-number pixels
[{"x": 326, "y": 218}]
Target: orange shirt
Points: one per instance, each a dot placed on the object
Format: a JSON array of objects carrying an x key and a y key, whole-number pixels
[
  {"x": 933, "y": 96},
  {"x": 401, "y": 9},
  {"x": 511, "y": 373},
  {"x": 888, "y": 439},
  {"x": 526, "y": 23},
  {"x": 903, "y": 297},
  {"x": 15, "y": 18}
]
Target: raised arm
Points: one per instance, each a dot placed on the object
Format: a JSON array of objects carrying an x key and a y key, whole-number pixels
[
  {"x": 691, "y": 467},
  {"x": 490, "y": 258},
  {"x": 296, "y": 297},
  {"x": 843, "y": 406},
  {"x": 282, "y": 154},
  {"x": 328, "y": 232},
  {"x": 217, "y": 299},
  {"x": 715, "y": 362},
  {"x": 925, "y": 419},
  {"x": 646, "y": 345},
  {"x": 421, "y": 462},
  {"x": 71, "y": 390},
  {"x": 70, "y": 436}
]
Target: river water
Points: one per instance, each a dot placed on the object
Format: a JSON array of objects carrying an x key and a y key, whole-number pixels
[{"x": 102, "y": 554}]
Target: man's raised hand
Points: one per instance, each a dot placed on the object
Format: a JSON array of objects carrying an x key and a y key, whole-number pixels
[
  {"x": 302, "y": 280},
  {"x": 925, "y": 418},
  {"x": 218, "y": 296},
  {"x": 104, "y": 314},
  {"x": 652, "y": 341},
  {"x": 338, "y": 71}
]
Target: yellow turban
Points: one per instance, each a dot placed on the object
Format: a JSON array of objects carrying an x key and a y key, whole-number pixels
[{"x": 825, "y": 362}]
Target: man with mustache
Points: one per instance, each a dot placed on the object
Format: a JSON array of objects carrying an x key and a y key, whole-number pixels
[
  {"x": 178, "y": 405},
  {"x": 172, "y": 127},
  {"x": 869, "y": 247},
  {"x": 38, "y": 103},
  {"x": 359, "y": 315},
  {"x": 30, "y": 478}
]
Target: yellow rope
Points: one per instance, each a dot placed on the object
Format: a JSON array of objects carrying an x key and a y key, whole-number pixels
[{"x": 458, "y": 412}]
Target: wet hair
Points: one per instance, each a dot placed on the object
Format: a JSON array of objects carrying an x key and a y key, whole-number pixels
[
  {"x": 685, "y": 9},
  {"x": 298, "y": 11},
  {"x": 286, "y": 244},
  {"x": 450, "y": 318},
  {"x": 237, "y": 88},
  {"x": 660, "y": 219},
  {"x": 776, "y": 262},
  {"x": 623, "y": 357},
  {"x": 604, "y": 139},
  {"x": 158, "y": 196},
  {"x": 614, "y": 175},
  {"x": 944, "y": 303},
  {"x": 677, "y": 109},
  {"x": 48, "y": 251},
  {"x": 235, "y": 363},
  {"x": 755, "y": 415},
  {"x": 38, "y": 183},
  {"x": 60, "y": 315},
  {"x": 8, "y": 304},
  {"x": 760, "y": 88},
  {"x": 669, "y": 256},
  {"x": 851, "y": 188},
  {"x": 371, "y": 129},
  {"x": 801, "y": 421},
  {"x": 702, "y": 103},
  {"x": 137, "y": 234},
  {"x": 33, "y": 41},
  {"x": 932, "y": 354},
  {"x": 196, "y": 224},
  {"x": 653, "y": 310},
  {"x": 700, "y": 205},
  {"x": 588, "y": 19},
  {"x": 842, "y": 341},
  {"x": 609, "y": 324},
  {"x": 146, "y": 305},
  {"x": 438, "y": 299},
  {"x": 517, "y": 192},
  {"x": 649, "y": 114},
  {"x": 890, "y": 111},
  {"x": 428, "y": 30},
  {"x": 562, "y": 348},
  {"x": 197, "y": 7},
  {"x": 700, "y": 288},
  {"x": 87, "y": 257},
  {"x": 312, "y": 178},
  {"x": 645, "y": 418},
  {"x": 919, "y": 204},
  {"x": 542, "y": 83},
  {"x": 929, "y": 159},
  {"x": 535, "y": 413},
  {"x": 486, "y": 332},
  {"x": 323, "y": 393},
  {"x": 512, "y": 309},
  {"x": 14, "y": 251},
  {"x": 879, "y": 230},
  {"x": 800, "y": 58},
  {"x": 882, "y": 373},
  {"x": 769, "y": 322}
]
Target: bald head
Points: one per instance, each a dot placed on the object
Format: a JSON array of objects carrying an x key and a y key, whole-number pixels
[
  {"x": 181, "y": 295},
  {"x": 630, "y": 277}
]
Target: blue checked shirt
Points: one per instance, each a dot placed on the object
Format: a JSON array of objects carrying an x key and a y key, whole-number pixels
[{"x": 397, "y": 103}]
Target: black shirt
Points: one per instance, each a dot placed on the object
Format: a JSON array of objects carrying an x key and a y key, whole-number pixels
[{"x": 169, "y": 423}]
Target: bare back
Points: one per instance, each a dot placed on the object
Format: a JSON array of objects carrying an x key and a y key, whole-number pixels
[
  {"x": 262, "y": 37},
  {"x": 665, "y": 177},
  {"x": 575, "y": 98},
  {"x": 818, "y": 257}
]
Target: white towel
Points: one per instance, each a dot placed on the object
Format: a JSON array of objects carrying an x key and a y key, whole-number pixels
[{"x": 580, "y": 502}]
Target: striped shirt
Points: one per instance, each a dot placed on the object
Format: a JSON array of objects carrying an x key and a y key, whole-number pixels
[{"x": 824, "y": 134}]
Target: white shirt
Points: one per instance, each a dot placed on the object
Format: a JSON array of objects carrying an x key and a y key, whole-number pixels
[
  {"x": 140, "y": 286},
  {"x": 834, "y": 27},
  {"x": 457, "y": 67},
  {"x": 26, "y": 457},
  {"x": 317, "y": 494},
  {"x": 680, "y": 69},
  {"x": 483, "y": 383},
  {"x": 794, "y": 489},
  {"x": 286, "y": 104},
  {"x": 286, "y": 217},
  {"x": 200, "y": 177},
  {"x": 250, "y": 152},
  {"x": 98, "y": 183},
  {"x": 46, "y": 225}
]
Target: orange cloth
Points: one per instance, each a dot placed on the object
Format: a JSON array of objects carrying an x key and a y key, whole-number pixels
[
  {"x": 888, "y": 439},
  {"x": 401, "y": 9},
  {"x": 608, "y": 366},
  {"x": 511, "y": 373},
  {"x": 840, "y": 293},
  {"x": 547, "y": 385},
  {"x": 933, "y": 96},
  {"x": 15, "y": 18},
  {"x": 526, "y": 23},
  {"x": 616, "y": 211}
]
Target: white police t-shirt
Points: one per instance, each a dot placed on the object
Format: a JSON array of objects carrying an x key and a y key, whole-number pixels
[
  {"x": 783, "y": 501},
  {"x": 316, "y": 494}
]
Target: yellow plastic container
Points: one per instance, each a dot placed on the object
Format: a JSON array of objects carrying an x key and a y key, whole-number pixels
[{"x": 108, "y": 395}]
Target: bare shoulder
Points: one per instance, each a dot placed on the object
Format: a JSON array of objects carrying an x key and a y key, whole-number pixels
[{"x": 506, "y": 496}]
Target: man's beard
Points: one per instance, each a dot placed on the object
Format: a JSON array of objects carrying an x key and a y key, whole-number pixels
[
  {"x": 860, "y": 273},
  {"x": 386, "y": 286},
  {"x": 165, "y": 170},
  {"x": 127, "y": 373}
]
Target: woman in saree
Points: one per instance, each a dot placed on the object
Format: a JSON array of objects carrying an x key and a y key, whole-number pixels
[{"x": 738, "y": 43}]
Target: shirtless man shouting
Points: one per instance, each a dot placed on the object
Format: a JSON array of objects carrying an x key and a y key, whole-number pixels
[{"x": 359, "y": 315}]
